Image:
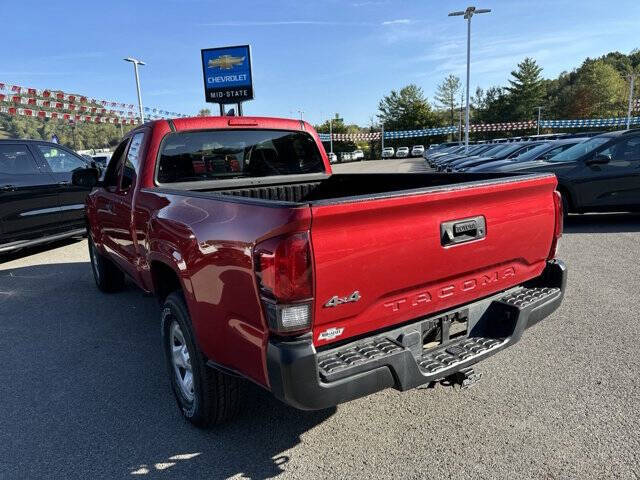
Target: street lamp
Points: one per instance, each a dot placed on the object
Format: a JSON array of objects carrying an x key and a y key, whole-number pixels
[
  {"x": 539, "y": 110},
  {"x": 468, "y": 13},
  {"x": 137, "y": 62},
  {"x": 632, "y": 78}
]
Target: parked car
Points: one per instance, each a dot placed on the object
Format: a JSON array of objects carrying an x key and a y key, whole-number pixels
[
  {"x": 38, "y": 201},
  {"x": 417, "y": 151},
  {"x": 601, "y": 174},
  {"x": 511, "y": 150},
  {"x": 544, "y": 151},
  {"x": 333, "y": 158},
  {"x": 357, "y": 155},
  {"x": 345, "y": 156},
  {"x": 402, "y": 152},
  {"x": 388, "y": 152},
  {"x": 321, "y": 288},
  {"x": 473, "y": 152},
  {"x": 431, "y": 156}
]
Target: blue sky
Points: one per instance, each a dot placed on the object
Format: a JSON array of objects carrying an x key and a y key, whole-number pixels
[{"x": 319, "y": 56}]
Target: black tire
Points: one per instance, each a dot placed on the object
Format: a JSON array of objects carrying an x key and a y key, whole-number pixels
[
  {"x": 108, "y": 277},
  {"x": 215, "y": 397}
]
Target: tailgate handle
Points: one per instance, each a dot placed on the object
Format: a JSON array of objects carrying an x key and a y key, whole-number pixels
[{"x": 463, "y": 230}]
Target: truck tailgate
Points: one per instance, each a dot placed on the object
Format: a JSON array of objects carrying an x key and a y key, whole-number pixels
[{"x": 390, "y": 251}]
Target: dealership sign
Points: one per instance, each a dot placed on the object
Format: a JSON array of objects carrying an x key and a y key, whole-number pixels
[{"x": 227, "y": 74}]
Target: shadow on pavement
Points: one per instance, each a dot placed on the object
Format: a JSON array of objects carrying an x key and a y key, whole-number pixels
[
  {"x": 85, "y": 393},
  {"x": 28, "y": 251},
  {"x": 603, "y": 223}
]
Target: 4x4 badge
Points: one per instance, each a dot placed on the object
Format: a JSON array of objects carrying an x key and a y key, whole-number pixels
[{"x": 336, "y": 300}]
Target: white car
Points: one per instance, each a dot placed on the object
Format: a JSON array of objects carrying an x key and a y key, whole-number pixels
[
  {"x": 417, "y": 151},
  {"x": 333, "y": 158},
  {"x": 357, "y": 155},
  {"x": 387, "y": 152},
  {"x": 345, "y": 156},
  {"x": 402, "y": 152}
]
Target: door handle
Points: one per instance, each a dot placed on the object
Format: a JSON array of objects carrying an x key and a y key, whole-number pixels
[
  {"x": 7, "y": 188},
  {"x": 463, "y": 230}
]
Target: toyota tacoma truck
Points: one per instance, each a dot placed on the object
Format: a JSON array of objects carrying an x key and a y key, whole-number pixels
[{"x": 319, "y": 287}]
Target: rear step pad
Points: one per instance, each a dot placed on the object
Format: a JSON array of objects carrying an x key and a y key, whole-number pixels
[
  {"x": 528, "y": 296},
  {"x": 367, "y": 355},
  {"x": 443, "y": 358}
]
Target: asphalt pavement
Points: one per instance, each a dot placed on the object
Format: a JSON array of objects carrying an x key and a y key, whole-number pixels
[{"x": 84, "y": 392}]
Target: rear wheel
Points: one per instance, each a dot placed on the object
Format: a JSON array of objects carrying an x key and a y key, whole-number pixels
[
  {"x": 107, "y": 276},
  {"x": 205, "y": 396}
]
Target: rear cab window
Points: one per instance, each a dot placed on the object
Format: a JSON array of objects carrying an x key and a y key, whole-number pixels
[
  {"x": 228, "y": 154},
  {"x": 131, "y": 165}
]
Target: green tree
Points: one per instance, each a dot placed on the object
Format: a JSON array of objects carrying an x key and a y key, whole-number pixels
[
  {"x": 526, "y": 90},
  {"x": 447, "y": 95},
  {"x": 407, "y": 109},
  {"x": 599, "y": 91},
  {"x": 338, "y": 126}
]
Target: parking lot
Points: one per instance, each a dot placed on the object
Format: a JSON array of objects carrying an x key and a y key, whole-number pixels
[{"x": 85, "y": 394}]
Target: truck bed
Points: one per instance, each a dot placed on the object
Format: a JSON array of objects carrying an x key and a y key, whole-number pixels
[{"x": 338, "y": 188}]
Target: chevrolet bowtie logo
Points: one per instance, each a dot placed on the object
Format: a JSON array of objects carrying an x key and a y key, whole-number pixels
[{"x": 225, "y": 62}]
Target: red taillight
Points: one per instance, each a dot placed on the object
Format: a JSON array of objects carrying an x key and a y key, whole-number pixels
[
  {"x": 285, "y": 279},
  {"x": 284, "y": 267},
  {"x": 559, "y": 223}
]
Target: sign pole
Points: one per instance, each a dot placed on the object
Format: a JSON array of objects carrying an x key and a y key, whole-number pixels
[
  {"x": 239, "y": 109},
  {"x": 221, "y": 105}
]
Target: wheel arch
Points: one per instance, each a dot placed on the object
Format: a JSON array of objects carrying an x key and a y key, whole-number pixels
[
  {"x": 164, "y": 280},
  {"x": 566, "y": 193}
]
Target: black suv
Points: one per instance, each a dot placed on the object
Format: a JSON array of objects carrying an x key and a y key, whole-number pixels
[
  {"x": 601, "y": 174},
  {"x": 39, "y": 199}
]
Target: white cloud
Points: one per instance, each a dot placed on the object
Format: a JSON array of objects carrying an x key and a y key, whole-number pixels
[
  {"x": 401, "y": 21},
  {"x": 286, "y": 23}
]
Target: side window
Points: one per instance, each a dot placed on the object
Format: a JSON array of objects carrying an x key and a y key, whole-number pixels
[
  {"x": 111, "y": 175},
  {"x": 17, "y": 160},
  {"x": 61, "y": 161},
  {"x": 132, "y": 162},
  {"x": 625, "y": 151},
  {"x": 553, "y": 152}
]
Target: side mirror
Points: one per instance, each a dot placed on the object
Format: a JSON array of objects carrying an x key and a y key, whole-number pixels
[
  {"x": 599, "y": 159},
  {"x": 86, "y": 177}
]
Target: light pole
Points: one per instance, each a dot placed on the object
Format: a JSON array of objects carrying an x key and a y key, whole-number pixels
[
  {"x": 460, "y": 123},
  {"x": 468, "y": 13},
  {"x": 330, "y": 135},
  {"x": 633, "y": 76},
  {"x": 137, "y": 62},
  {"x": 301, "y": 112},
  {"x": 539, "y": 109}
]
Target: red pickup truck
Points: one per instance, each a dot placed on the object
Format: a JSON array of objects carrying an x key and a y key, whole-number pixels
[{"x": 319, "y": 287}]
